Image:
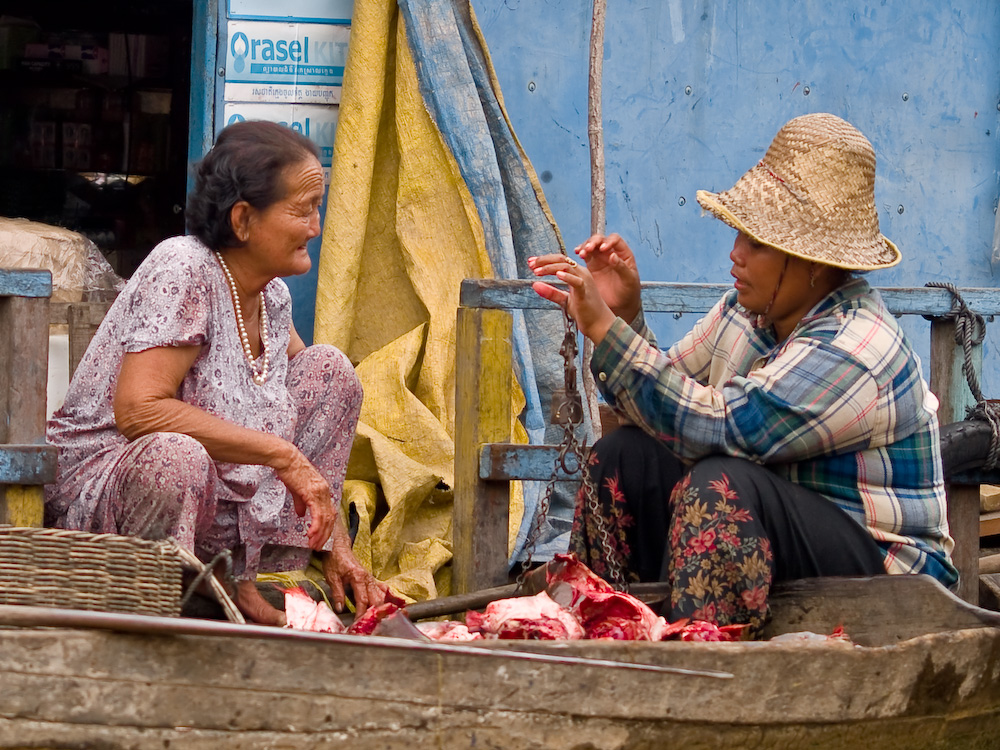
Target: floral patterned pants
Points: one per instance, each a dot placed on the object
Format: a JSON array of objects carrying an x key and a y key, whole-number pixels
[
  {"x": 164, "y": 484},
  {"x": 720, "y": 531}
]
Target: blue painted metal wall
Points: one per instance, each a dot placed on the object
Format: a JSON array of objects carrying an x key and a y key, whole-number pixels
[{"x": 694, "y": 92}]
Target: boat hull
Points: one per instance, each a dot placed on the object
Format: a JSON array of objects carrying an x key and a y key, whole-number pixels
[{"x": 78, "y": 687}]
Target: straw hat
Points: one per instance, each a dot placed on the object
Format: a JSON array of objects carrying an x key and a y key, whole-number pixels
[{"x": 812, "y": 196}]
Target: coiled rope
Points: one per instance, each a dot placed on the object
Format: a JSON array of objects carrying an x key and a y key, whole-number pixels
[{"x": 970, "y": 330}]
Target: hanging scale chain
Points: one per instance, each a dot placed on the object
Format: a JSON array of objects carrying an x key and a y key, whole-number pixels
[
  {"x": 573, "y": 456},
  {"x": 970, "y": 330}
]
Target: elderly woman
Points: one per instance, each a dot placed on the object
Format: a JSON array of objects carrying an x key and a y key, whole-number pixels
[
  {"x": 198, "y": 412},
  {"x": 790, "y": 434}
]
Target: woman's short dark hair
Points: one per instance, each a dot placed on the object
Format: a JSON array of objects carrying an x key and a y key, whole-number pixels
[{"x": 246, "y": 164}]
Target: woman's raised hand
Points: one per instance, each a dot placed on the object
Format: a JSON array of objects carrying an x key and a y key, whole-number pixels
[
  {"x": 612, "y": 264},
  {"x": 582, "y": 300}
]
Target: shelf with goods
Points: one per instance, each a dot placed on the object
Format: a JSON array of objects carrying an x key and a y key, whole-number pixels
[{"x": 93, "y": 132}]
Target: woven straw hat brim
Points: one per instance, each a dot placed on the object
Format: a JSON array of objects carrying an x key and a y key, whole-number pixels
[
  {"x": 871, "y": 256},
  {"x": 811, "y": 196}
]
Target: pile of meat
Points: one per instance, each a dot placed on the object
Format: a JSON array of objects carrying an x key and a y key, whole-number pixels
[{"x": 576, "y": 604}]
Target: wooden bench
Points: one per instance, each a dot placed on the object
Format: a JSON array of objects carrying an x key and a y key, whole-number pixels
[
  {"x": 486, "y": 461},
  {"x": 26, "y": 462}
]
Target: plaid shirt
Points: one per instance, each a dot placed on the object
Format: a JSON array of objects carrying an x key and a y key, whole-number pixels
[{"x": 839, "y": 407}]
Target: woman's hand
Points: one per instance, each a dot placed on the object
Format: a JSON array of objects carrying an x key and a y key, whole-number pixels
[
  {"x": 612, "y": 264},
  {"x": 583, "y": 300},
  {"x": 342, "y": 569},
  {"x": 310, "y": 491}
]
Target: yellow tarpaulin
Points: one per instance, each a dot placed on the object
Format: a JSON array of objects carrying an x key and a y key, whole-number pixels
[{"x": 401, "y": 232}]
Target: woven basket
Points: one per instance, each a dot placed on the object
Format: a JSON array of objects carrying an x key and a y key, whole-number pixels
[{"x": 79, "y": 570}]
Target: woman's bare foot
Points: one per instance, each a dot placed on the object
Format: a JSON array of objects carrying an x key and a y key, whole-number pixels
[{"x": 254, "y": 607}]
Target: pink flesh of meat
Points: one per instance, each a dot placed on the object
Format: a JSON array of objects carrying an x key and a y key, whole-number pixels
[
  {"x": 365, "y": 625},
  {"x": 303, "y": 613},
  {"x": 526, "y": 617},
  {"x": 604, "y": 612},
  {"x": 449, "y": 630}
]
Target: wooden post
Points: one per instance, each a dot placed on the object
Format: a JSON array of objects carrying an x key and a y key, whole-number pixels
[
  {"x": 483, "y": 382},
  {"x": 949, "y": 384},
  {"x": 24, "y": 344},
  {"x": 947, "y": 380},
  {"x": 963, "y": 523}
]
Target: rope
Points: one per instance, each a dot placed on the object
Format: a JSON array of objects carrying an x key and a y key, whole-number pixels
[
  {"x": 970, "y": 330},
  {"x": 205, "y": 571}
]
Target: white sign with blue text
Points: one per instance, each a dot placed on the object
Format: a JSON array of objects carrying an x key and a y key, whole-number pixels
[
  {"x": 316, "y": 122},
  {"x": 309, "y": 11},
  {"x": 285, "y": 62}
]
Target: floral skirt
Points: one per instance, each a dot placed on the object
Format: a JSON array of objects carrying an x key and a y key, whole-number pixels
[{"x": 720, "y": 531}]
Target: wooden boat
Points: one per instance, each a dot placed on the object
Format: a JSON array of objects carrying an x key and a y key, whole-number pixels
[{"x": 925, "y": 674}]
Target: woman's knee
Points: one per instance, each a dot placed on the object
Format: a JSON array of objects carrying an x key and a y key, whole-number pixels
[
  {"x": 326, "y": 365},
  {"x": 161, "y": 455}
]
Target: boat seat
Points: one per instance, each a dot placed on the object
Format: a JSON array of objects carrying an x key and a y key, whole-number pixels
[{"x": 486, "y": 460}]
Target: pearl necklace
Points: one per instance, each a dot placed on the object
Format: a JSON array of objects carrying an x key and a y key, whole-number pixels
[{"x": 259, "y": 374}]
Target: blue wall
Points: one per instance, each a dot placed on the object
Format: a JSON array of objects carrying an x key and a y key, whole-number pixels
[{"x": 694, "y": 92}]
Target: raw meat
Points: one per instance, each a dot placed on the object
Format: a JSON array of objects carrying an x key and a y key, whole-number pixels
[
  {"x": 302, "y": 612},
  {"x": 366, "y": 624},
  {"x": 604, "y": 612},
  {"x": 526, "y": 618},
  {"x": 448, "y": 630}
]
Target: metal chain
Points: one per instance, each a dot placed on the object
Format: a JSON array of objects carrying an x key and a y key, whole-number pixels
[
  {"x": 568, "y": 413},
  {"x": 970, "y": 330}
]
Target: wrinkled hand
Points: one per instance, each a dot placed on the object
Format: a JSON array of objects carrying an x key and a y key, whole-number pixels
[
  {"x": 310, "y": 491},
  {"x": 342, "y": 569},
  {"x": 582, "y": 300},
  {"x": 612, "y": 264}
]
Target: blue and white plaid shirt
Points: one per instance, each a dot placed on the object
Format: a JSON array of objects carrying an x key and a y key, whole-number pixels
[{"x": 839, "y": 407}]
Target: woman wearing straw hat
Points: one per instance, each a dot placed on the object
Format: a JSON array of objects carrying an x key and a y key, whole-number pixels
[{"x": 790, "y": 434}]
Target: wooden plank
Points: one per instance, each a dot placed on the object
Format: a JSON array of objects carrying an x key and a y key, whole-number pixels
[
  {"x": 27, "y": 464},
  {"x": 503, "y": 462},
  {"x": 25, "y": 282},
  {"x": 483, "y": 383},
  {"x": 936, "y": 302},
  {"x": 24, "y": 336},
  {"x": 963, "y": 523},
  {"x": 989, "y": 524},
  {"x": 6, "y": 364},
  {"x": 59, "y": 311},
  {"x": 26, "y": 320},
  {"x": 517, "y": 293},
  {"x": 683, "y": 297},
  {"x": 947, "y": 378},
  {"x": 975, "y": 477},
  {"x": 873, "y": 610}
]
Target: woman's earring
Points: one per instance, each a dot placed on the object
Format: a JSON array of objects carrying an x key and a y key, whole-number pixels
[{"x": 812, "y": 275}]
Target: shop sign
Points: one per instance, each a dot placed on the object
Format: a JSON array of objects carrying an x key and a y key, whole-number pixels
[{"x": 285, "y": 62}]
